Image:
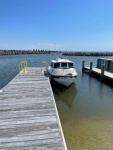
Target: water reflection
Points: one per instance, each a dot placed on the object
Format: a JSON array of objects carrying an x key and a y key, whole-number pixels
[
  {"x": 100, "y": 90},
  {"x": 61, "y": 93}
]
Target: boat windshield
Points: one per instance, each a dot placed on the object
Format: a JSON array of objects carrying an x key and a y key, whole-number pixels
[
  {"x": 64, "y": 65},
  {"x": 70, "y": 65},
  {"x": 56, "y": 65}
]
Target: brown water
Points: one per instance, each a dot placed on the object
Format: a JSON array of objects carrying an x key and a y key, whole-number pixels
[{"x": 86, "y": 113}]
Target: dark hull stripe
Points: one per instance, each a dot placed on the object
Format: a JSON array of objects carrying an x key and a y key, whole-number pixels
[{"x": 53, "y": 76}]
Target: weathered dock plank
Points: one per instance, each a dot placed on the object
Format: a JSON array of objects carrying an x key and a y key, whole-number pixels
[{"x": 28, "y": 116}]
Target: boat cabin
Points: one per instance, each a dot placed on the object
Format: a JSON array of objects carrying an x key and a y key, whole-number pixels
[{"x": 62, "y": 64}]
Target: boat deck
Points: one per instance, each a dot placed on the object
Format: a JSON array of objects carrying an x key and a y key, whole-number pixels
[{"x": 28, "y": 115}]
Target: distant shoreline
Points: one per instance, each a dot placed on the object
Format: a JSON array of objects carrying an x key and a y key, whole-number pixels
[
  {"x": 88, "y": 53},
  {"x": 21, "y": 52}
]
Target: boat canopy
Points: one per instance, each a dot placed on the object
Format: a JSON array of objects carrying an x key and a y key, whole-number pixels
[{"x": 59, "y": 59}]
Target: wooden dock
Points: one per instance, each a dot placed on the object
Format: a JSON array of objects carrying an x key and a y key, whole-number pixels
[
  {"x": 28, "y": 115},
  {"x": 102, "y": 75},
  {"x": 107, "y": 74}
]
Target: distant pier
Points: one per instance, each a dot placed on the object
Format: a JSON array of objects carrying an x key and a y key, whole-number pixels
[
  {"x": 28, "y": 115},
  {"x": 103, "y": 71}
]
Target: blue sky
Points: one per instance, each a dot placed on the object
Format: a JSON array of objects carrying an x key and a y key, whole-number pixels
[{"x": 67, "y": 25}]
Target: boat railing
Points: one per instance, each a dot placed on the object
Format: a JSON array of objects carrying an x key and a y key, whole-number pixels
[{"x": 23, "y": 67}]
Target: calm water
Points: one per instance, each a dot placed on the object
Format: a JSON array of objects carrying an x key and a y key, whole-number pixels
[{"x": 85, "y": 108}]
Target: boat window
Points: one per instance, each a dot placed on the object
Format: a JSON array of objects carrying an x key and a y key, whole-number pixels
[
  {"x": 64, "y": 65},
  {"x": 70, "y": 65},
  {"x": 56, "y": 65}
]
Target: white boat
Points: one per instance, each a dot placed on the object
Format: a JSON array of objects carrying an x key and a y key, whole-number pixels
[{"x": 62, "y": 71}]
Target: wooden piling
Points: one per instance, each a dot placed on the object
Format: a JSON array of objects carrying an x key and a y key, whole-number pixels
[
  {"x": 91, "y": 66},
  {"x": 102, "y": 72},
  {"x": 83, "y": 64}
]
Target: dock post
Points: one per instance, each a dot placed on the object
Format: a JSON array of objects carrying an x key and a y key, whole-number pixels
[
  {"x": 98, "y": 63},
  {"x": 83, "y": 64},
  {"x": 91, "y": 66},
  {"x": 102, "y": 72}
]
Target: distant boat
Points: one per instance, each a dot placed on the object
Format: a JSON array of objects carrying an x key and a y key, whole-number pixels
[{"x": 62, "y": 71}]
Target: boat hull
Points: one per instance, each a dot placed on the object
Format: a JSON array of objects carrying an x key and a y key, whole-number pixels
[{"x": 66, "y": 81}]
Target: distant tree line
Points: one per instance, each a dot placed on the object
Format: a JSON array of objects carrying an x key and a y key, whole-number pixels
[{"x": 88, "y": 53}]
